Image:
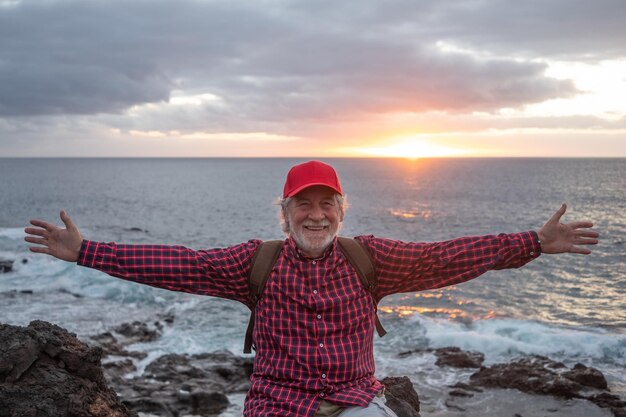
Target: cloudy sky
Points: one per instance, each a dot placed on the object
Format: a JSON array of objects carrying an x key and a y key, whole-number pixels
[{"x": 312, "y": 78}]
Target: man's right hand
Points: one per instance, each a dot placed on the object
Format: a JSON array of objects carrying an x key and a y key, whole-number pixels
[{"x": 61, "y": 243}]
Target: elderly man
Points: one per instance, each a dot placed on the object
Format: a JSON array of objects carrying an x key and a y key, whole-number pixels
[{"x": 315, "y": 320}]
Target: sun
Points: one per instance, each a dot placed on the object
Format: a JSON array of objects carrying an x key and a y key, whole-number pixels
[{"x": 412, "y": 148}]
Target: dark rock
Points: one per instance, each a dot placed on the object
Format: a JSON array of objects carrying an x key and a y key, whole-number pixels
[
  {"x": 111, "y": 346},
  {"x": 613, "y": 402},
  {"x": 531, "y": 375},
  {"x": 457, "y": 358},
  {"x": 466, "y": 387},
  {"x": 208, "y": 403},
  {"x": 460, "y": 393},
  {"x": 117, "y": 369},
  {"x": 47, "y": 371},
  {"x": 5, "y": 265},
  {"x": 222, "y": 369},
  {"x": 411, "y": 352},
  {"x": 401, "y": 396},
  {"x": 540, "y": 375},
  {"x": 137, "y": 332},
  {"x": 589, "y": 377},
  {"x": 184, "y": 384}
]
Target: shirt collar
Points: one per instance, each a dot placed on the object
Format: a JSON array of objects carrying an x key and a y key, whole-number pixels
[{"x": 301, "y": 256}]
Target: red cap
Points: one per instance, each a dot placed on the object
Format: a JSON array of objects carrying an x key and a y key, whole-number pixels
[{"x": 309, "y": 174}]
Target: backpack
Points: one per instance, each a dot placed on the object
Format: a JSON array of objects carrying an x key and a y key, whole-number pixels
[{"x": 267, "y": 254}]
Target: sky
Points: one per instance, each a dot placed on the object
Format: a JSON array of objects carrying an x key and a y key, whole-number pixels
[{"x": 309, "y": 78}]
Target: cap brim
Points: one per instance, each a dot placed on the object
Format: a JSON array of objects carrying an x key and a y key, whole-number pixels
[{"x": 305, "y": 186}]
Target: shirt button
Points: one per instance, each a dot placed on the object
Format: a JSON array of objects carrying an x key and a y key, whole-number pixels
[
  {"x": 314, "y": 291},
  {"x": 321, "y": 345},
  {"x": 322, "y": 394},
  {"x": 323, "y": 375},
  {"x": 314, "y": 262},
  {"x": 319, "y": 316},
  {"x": 532, "y": 253}
]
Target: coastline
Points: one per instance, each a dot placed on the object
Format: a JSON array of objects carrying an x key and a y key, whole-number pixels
[{"x": 222, "y": 378}]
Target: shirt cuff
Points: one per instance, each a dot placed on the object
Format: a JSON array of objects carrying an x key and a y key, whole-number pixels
[
  {"x": 87, "y": 254},
  {"x": 532, "y": 243}
]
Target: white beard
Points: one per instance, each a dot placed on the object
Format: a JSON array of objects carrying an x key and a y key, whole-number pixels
[{"x": 314, "y": 245}]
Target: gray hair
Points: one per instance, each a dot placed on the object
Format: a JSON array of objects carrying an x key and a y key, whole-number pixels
[{"x": 282, "y": 203}]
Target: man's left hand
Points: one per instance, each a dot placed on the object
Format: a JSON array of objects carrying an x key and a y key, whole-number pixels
[{"x": 557, "y": 237}]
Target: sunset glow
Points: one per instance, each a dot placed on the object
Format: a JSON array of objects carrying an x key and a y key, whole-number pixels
[{"x": 412, "y": 148}]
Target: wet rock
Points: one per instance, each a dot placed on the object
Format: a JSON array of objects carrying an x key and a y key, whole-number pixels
[
  {"x": 221, "y": 369},
  {"x": 116, "y": 341},
  {"x": 589, "y": 377},
  {"x": 613, "y": 402},
  {"x": 174, "y": 385},
  {"x": 457, "y": 358},
  {"x": 47, "y": 371},
  {"x": 401, "y": 396},
  {"x": 540, "y": 375},
  {"x": 534, "y": 375},
  {"x": 6, "y": 265}
]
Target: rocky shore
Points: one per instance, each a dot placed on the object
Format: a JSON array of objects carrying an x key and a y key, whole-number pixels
[{"x": 47, "y": 371}]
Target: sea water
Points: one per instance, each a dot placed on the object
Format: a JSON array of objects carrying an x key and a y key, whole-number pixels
[{"x": 568, "y": 307}]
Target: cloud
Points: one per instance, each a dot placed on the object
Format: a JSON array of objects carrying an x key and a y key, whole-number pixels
[{"x": 269, "y": 61}]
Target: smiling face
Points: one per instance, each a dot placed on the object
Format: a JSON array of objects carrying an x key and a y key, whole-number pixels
[{"x": 314, "y": 217}]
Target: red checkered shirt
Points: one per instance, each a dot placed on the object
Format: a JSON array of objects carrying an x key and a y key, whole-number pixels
[{"x": 315, "y": 321}]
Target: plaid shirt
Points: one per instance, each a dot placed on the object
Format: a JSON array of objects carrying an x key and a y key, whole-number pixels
[{"x": 315, "y": 322}]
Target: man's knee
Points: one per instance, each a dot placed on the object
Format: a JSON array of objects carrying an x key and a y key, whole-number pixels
[{"x": 376, "y": 408}]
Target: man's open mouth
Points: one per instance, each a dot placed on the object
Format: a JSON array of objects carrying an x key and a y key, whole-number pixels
[{"x": 316, "y": 228}]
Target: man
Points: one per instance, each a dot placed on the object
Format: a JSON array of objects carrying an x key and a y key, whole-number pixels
[{"x": 315, "y": 321}]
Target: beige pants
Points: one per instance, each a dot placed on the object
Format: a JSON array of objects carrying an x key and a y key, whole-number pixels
[{"x": 376, "y": 408}]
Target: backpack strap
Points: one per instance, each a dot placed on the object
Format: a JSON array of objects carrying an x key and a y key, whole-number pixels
[
  {"x": 361, "y": 260},
  {"x": 262, "y": 264}
]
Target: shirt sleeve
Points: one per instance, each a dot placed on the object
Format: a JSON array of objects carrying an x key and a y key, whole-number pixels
[
  {"x": 215, "y": 272},
  {"x": 408, "y": 266}
]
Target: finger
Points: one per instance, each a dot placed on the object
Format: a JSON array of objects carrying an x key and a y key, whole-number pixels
[
  {"x": 44, "y": 225},
  {"x": 36, "y": 231},
  {"x": 585, "y": 241},
  {"x": 37, "y": 240},
  {"x": 558, "y": 214},
  {"x": 584, "y": 233},
  {"x": 69, "y": 224},
  {"x": 39, "y": 249},
  {"x": 580, "y": 225},
  {"x": 581, "y": 251}
]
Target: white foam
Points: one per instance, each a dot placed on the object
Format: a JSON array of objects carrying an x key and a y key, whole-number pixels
[
  {"x": 12, "y": 233},
  {"x": 502, "y": 339}
]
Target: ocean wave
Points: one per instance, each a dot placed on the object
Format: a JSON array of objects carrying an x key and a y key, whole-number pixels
[{"x": 501, "y": 339}]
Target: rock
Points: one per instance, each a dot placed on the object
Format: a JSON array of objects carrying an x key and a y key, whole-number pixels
[
  {"x": 203, "y": 403},
  {"x": 47, "y": 371},
  {"x": 613, "y": 402},
  {"x": 540, "y": 375},
  {"x": 5, "y": 265},
  {"x": 534, "y": 375},
  {"x": 177, "y": 385},
  {"x": 401, "y": 396},
  {"x": 589, "y": 377},
  {"x": 114, "y": 343},
  {"x": 457, "y": 358}
]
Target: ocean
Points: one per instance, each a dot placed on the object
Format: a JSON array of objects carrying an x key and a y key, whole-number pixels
[{"x": 570, "y": 308}]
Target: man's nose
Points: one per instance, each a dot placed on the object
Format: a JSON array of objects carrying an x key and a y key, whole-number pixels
[{"x": 316, "y": 213}]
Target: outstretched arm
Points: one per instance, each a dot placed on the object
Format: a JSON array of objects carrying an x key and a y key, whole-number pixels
[
  {"x": 557, "y": 237},
  {"x": 55, "y": 241}
]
